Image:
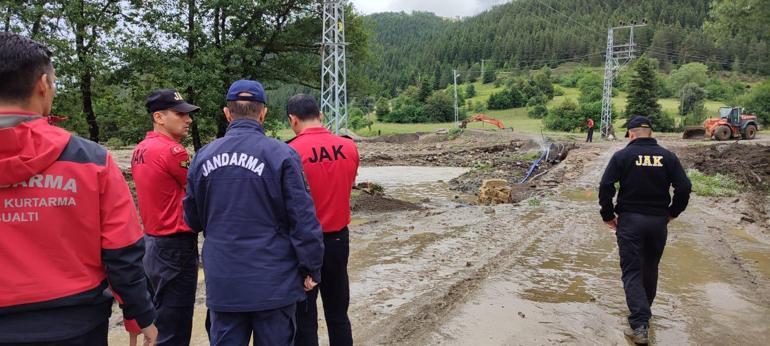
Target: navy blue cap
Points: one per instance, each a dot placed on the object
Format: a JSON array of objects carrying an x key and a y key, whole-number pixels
[
  {"x": 163, "y": 99},
  {"x": 637, "y": 122},
  {"x": 253, "y": 88}
]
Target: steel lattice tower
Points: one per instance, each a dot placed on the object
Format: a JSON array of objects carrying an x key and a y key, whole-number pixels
[
  {"x": 334, "y": 94},
  {"x": 617, "y": 56}
]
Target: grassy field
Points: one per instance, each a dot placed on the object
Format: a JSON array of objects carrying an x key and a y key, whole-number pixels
[{"x": 515, "y": 117}]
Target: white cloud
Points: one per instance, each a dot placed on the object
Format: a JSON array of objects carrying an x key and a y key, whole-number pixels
[{"x": 445, "y": 8}]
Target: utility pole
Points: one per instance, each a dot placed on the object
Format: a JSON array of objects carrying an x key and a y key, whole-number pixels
[
  {"x": 334, "y": 93},
  {"x": 617, "y": 56},
  {"x": 482, "y": 71},
  {"x": 454, "y": 74}
]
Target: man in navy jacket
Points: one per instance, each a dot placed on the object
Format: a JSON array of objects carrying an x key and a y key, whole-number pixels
[{"x": 263, "y": 245}]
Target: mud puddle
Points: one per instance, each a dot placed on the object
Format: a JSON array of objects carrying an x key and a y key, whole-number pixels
[{"x": 415, "y": 184}]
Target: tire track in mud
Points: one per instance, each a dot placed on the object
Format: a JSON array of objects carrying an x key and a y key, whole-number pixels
[{"x": 413, "y": 324}]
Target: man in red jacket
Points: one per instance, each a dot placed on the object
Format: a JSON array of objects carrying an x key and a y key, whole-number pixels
[
  {"x": 330, "y": 163},
  {"x": 159, "y": 167},
  {"x": 590, "y": 137},
  {"x": 71, "y": 238}
]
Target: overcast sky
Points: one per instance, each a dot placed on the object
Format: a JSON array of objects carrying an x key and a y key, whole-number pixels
[{"x": 444, "y": 8}]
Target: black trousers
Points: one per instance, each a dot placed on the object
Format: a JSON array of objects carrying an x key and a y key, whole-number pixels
[
  {"x": 269, "y": 328},
  {"x": 96, "y": 337},
  {"x": 590, "y": 137},
  {"x": 335, "y": 295},
  {"x": 641, "y": 240},
  {"x": 171, "y": 264}
]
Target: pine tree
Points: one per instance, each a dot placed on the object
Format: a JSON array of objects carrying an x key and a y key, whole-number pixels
[{"x": 643, "y": 91}]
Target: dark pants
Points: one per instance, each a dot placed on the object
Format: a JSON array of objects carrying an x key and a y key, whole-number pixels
[
  {"x": 590, "y": 137},
  {"x": 96, "y": 337},
  {"x": 335, "y": 295},
  {"x": 641, "y": 240},
  {"x": 272, "y": 327},
  {"x": 171, "y": 264}
]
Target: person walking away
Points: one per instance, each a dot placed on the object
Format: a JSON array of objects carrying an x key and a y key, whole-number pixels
[
  {"x": 71, "y": 239},
  {"x": 646, "y": 172},
  {"x": 264, "y": 246},
  {"x": 159, "y": 167},
  {"x": 330, "y": 163}
]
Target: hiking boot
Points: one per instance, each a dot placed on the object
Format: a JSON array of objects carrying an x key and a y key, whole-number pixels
[{"x": 639, "y": 335}]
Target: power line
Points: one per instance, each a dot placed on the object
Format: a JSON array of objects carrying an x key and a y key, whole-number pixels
[{"x": 568, "y": 17}]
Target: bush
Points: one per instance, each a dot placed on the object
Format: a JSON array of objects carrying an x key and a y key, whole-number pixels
[
  {"x": 758, "y": 102},
  {"x": 470, "y": 91},
  {"x": 538, "y": 112},
  {"x": 439, "y": 107},
  {"x": 382, "y": 108},
  {"x": 114, "y": 143},
  {"x": 565, "y": 117},
  {"x": 558, "y": 91},
  {"x": 688, "y": 73},
  {"x": 508, "y": 98}
]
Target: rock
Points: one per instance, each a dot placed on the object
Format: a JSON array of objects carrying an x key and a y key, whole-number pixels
[
  {"x": 489, "y": 210},
  {"x": 521, "y": 314},
  {"x": 371, "y": 188},
  {"x": 468, "y": 264},
  {"x": 747, "y": 219},
  {"x": 494, "y": 191}
]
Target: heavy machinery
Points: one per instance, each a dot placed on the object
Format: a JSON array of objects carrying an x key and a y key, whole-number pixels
[
  {"x": 482, "y": 117},
  {"x": 732, "y": 123}
]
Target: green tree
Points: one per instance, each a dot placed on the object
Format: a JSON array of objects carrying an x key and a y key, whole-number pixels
[
  {"x": 538, "y": 111},
  {"x": 439, "y": 107},
  {"x": 470, "y": 91},
  {"x": 643, "y": 91},
  {"x": 382, "y": 108},
  {"x": 688, "y": 73},
  {"x": 591, "y": 88},
  {"x": 758, "y": 102},
  {"x": 564, "y": 117},
  {"x": 691, "y": 103},
  {"x": 489, "y": 76}
]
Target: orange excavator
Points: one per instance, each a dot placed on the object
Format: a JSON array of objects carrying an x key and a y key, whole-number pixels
[
  {"x": 731, "y": 124},
  {"x": 484, "y": 118}
]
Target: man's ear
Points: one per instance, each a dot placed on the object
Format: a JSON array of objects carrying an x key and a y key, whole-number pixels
[
  {"x": 228, "y": 116},
  {"x": 43, "y": 84},
  {"x": 263, "y": 115},
  {"x": 158, "y": 117},
  {"x": 322, "y": 116}
]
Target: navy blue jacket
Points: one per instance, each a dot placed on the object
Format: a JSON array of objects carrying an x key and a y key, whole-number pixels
[
  {"x": 247, "y": 193},
  {"x": 646, "y": 172}
]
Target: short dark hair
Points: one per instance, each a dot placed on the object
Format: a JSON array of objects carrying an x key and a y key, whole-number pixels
[
  {"x": 245, "y": 109},
  {"x": 22, "y": 62},
  {"x": 303, "y": 106}
]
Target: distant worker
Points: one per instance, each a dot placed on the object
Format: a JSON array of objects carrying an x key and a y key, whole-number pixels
[
  {"x": 646, "y": 172},
  {"x": 331, "y": 164},
  {"x": 71, "y": 238},
  {"x": 590, "y": 137},
  {"x": 159, "y": 167},
  {"x": 264, "y": 246}
]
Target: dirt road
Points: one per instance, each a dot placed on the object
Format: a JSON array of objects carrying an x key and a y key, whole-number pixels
[{"x": 542, "y": 271}]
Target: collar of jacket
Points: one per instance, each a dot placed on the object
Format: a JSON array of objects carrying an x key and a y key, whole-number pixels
[
  {"x": 240, "y": 126},
  {"x": 643, "y": 141}
]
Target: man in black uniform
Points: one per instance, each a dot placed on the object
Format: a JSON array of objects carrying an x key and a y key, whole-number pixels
[{"x": 646, "y": 172}]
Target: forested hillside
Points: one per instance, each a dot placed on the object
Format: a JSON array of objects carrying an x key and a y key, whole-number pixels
[{"x": 724, "y": 35}]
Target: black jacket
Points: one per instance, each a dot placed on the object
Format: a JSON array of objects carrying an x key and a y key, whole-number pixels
[{"x": 646, "y": 171}]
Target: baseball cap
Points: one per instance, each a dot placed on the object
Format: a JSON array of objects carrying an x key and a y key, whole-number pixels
[
  {"x": 637, "y": 122},
  {"x": 168, "y": 99},
  {"x": 253, "y": 88}
]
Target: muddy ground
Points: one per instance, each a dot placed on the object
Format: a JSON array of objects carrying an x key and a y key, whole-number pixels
[{"x": 544, "y": 270}]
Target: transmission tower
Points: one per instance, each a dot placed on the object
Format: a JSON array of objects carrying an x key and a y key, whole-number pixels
[
  {"x": 617, "y": 56},
  {"x": 334, "y": 93}
]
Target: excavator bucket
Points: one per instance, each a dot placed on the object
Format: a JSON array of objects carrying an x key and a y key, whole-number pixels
[{"x": 694, "y": 132}]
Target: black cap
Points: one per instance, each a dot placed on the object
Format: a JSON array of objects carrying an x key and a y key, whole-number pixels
[
  {"x": 637, "y": 122},
  {"x": 168, "y": 99}
]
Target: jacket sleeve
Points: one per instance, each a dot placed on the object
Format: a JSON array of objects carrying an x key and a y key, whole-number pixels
[
  {"x": 682, "y": 188},
  {"x": 190, "y": 205},
  {"x": 304, "y": 228},
  {"x": 123, "y": 248},
  {"x": 607, "y": 189}
]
